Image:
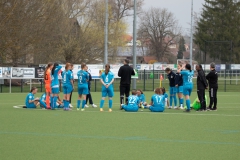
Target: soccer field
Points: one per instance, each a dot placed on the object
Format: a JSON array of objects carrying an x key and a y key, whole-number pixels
[{"x": 57, "y": 134}]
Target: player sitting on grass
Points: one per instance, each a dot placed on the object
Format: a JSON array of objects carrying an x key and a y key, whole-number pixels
[
  {"x": 157, "y": 101},
  {"x": 43, "y": 99},
  {"x": 133, "y": 102},
  {"x": 142, "y": 100},
  {"x": 166, "y": 104},
  {"x": 30, "y": 101}
]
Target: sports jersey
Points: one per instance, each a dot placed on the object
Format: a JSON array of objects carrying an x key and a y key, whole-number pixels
[
  {"x": 47, "y": 78},
  {"x": 43, "y": 97},
  {"x": 82, "y": 78},
  {"x": 67, "y": 76},
  {"x": 187, "y": 77},
  {"x": 30, "y": 97},
  {"x": 142, "y": 98},
  {"x": 107, "y": 78},
  {"x": 158, "y": 100},
  {"x": 133, "y": 101},
  {"x": 165, "y": 95},
  {"x": 55, "y": 81}
]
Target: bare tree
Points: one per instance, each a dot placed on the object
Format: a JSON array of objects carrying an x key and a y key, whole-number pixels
[{"x": 160, "y": 28}]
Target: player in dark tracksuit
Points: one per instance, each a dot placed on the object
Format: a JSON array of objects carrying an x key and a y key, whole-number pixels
[
  {"x": 212, "y": 78},
  {"x": 179, "y": 87},
  {"x": 201, "y": 86},
  {"x": 172, "y": 90},
  {"x": 89, "y": 96}
]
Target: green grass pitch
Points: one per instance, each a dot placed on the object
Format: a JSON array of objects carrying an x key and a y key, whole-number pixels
[{"x": 57, "y": 134}]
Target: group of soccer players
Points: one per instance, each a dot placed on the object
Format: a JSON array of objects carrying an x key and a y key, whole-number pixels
[{"x": 180, "y": 83}]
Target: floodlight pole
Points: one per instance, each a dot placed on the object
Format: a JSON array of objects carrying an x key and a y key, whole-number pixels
[
  {"x": 106, "y": 34},
  {"x": 134, "y": 41},
  {"x": 191, "y": 41}
]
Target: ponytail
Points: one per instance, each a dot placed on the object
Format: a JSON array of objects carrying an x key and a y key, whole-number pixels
[
  {"x": 48, "y": 66},
  {"x": 188, "y": 67}
]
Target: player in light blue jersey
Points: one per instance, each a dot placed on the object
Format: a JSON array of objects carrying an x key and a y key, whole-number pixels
[
  {"x": 83, "y": 79},
  {"x": 67, "y": 81},
  {"x": 142, "y": 99},
  {"x": 157, "y": 101},
  {"x": 107, "y": 79},
  {"x": 187, "y": 84},
  {"x": 55, "y": 84},
  {"x": 43, "y": 99},
  {"x": 31, "y": 101},
  {"x": 133, "y": 102}
]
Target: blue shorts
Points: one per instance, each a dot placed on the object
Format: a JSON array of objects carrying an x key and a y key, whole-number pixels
[
  {"x": 156, "y": 109},
  {"x": 31, "y": 105},
  {"x": 179, "y": 89},
  {"x": 187, "y": 90},
  {"x": 130, "y": 108},
  {"x": 55, "y": 90},
  {"x": 67, "y": 89},
  {"x": 83, "y": 89},
  {"x": 172, "y": 90},
  {"x": 107, "y": 92}
]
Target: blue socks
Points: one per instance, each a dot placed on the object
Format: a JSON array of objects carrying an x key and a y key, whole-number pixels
[
  {"x": 101, "y": 103},
  {"x": 78, "y": 103},
  {"x": 43, "y": 104},
  {"x": 66, "y": 104},
  {"x": 83, "y": 103},
  {"x": 188, "y": 104},
  {"x": 110, "y": 103}
]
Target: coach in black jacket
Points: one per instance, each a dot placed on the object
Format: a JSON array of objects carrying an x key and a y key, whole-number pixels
[
  {"x": 125, "y": 72},
  {"x": 212, "y": 78},
  {"x": 201, "y": 86}
]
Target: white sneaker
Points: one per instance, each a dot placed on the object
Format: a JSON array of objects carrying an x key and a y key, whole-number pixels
[
  {"x": 181, "y": 108},
  {"x": 70, "y": 105},
  {"x": 83, "y": 109},
  {"x": 86, "y": 106},
  {"x": 175, "y": 107},
  {"x": 94, "y": 105},
  {"x": 170, "y": 107}
]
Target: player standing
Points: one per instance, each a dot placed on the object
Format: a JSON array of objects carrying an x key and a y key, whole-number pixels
[
  {"x": 172, "y": 90},
  {"x": 55, "y": 84},
  {"x": 187, "y": 84},
  {"x": 47, "y": 80},
  {"x": 82, "y": 86},
  {"x": 67, "y": 80},
  {"x": 107, "y": 78},
  {"x": 179, "y": 87}
]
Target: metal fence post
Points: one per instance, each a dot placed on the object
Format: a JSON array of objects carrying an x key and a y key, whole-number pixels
[
  {"x": 144, "y": 80},
  {"x": 153, "y": 78},
  {"x": 225, "y": 81},
  {"x": 10, "y": 85}
]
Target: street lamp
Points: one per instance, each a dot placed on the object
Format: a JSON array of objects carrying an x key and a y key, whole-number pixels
[{"x": 134, "y": 40}]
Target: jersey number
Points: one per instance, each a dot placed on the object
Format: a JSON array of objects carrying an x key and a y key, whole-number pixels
[
  {"x": 106, "y": 79},
  {"x": 158, "y": 99},
  {"x": 132, "y": 100},
  {"x": 190, "y": 78},
  {"x": 80, "y": 79}
]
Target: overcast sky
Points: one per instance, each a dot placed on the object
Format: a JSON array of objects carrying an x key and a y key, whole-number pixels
[{"x": 180, "y": 8}]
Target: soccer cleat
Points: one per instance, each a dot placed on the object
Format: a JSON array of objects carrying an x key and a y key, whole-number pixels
[
  {"x": 101, "y": 110},
  {"x": 78, "y": 109},
  {"x": 70, "y": 105},
  {"x": 170, "y": 107},
  {"x": 66, "y": 109},
  {"x": 181, "y": 108},
  {"x": 187, "y": 110},
  {"x": 94, "y": 105},
  {"x": 209, "y": 109},
  {"x": 175, "y": 107},
  {"x": 110, "y": 110},
  {"x": 82, "y": 109},
  {"x": 86, "y": 106},
  {"x": 142, "y": 106},
  {"x": 214, "y": 109},
  {"x": 121, "y": 106}
]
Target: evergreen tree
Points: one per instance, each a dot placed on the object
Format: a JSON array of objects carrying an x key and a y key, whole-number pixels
[
  {"x": 219, "y": 21},
  {"x": 181, "y": 48}
]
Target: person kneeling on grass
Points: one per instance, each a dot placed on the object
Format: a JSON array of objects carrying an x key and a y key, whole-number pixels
[
  {"x": 196, "y": 105},
  {"x": 157, "y": 101},
  {"x": 30, "y": 101},
  {"x": 133, "y": 102}
]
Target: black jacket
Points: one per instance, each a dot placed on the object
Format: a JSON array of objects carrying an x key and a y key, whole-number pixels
[
  {"x": 171, "y": 77},
  {"x": 178, "y": 79},
  {"x": 89, "y": 80},
  {"x": 201, "y": 80},
  {"x": 125, "y": 72},
  {"x": 212, "y": 78}
]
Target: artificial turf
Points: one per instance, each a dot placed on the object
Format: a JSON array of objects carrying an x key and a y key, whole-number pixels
[{"x": 57, "y": 134}]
